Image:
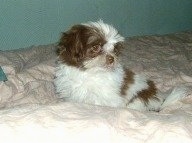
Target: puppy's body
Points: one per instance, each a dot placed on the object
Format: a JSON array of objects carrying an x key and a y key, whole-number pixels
[
  {"x": 94, "y": 86},
  {"x": 90, "y": 72}
]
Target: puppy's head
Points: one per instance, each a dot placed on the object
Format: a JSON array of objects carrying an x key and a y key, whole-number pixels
[{"x": 90, "y": 45}]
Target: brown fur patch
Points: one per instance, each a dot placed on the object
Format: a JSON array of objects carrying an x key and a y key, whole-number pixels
[
  {"x": 71, "y": 45},
  {"x": 149, "y": 93},
  {"x": 127, "y": 80}
]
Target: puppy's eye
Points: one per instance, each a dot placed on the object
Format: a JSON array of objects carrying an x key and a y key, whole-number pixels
[
  {"x": 96, "y": 48},
  {"x": 117, "y": 48},
  {"x": 94, "y": 51},
  {"x": 116, "y": 51}
]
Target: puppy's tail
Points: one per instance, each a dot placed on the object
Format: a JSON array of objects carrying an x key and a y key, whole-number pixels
[{"x": 176, "y": 94}]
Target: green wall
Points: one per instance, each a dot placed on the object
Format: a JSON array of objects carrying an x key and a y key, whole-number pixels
[{"x": 33, "y": 22}]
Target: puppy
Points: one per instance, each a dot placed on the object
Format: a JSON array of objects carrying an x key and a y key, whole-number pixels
[{"x": 89, "y": 71}]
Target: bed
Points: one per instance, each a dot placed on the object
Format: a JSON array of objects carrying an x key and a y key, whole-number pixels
[{"x": 30, "y": 111}]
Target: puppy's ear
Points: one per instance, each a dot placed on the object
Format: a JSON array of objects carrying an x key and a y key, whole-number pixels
[{"x": 71, "y": 45}]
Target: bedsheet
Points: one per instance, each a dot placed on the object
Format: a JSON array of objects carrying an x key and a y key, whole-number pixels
[{"x": 30, "y": 111}]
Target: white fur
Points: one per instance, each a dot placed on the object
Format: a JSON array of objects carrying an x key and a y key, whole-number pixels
[
  {"x": 110, "y": 33},
  {"x": 176, "y": 94},
  {"x": 94, "y": 86}
]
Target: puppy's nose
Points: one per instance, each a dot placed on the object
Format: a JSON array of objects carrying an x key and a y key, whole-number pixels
[{"x": 109, "y": 59}]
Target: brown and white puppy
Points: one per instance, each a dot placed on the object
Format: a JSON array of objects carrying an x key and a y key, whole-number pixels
[{"x": 89, "y": 71}]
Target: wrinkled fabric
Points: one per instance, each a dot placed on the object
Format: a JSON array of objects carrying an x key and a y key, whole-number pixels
[{"x": 30, "y": 111}]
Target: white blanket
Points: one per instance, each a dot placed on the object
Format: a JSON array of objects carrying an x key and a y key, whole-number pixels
[{"x": 30, "y": 111}]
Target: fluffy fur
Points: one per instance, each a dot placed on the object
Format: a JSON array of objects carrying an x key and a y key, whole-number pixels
[{"x": 89, "y": 71}]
